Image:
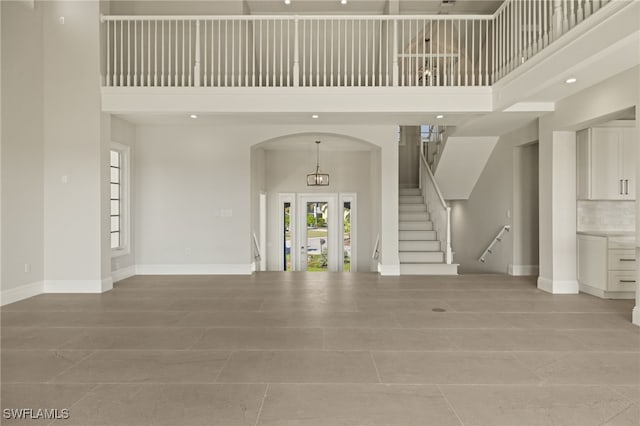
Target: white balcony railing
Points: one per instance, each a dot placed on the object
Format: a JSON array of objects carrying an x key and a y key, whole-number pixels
[{"x": 334, "y": 51}]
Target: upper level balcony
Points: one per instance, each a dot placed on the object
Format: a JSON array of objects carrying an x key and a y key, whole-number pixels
[{"x": 375, "y": 51}]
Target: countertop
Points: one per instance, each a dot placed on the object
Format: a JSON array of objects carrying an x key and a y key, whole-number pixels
[{"x": 630, "y": 235}]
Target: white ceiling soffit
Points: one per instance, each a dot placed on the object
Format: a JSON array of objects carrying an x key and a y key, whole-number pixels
[
  {"x": 306, "y": 142},
  {"x": 328, "y": 119}
]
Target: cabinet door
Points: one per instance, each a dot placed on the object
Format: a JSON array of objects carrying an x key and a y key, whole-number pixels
[
  {"x": 592, "y": 261},
  {"x": 606, "y": 183},
  {"x": 629, "y": 141}
]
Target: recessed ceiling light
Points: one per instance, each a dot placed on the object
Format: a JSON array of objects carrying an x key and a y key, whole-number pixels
[
  {"x": 287, "y": 1},
  {"x": 193, "y": 116},
  {"x": 571, "y": 80},
  {"x": 439, "y": 116},
  {"x": 315, "y": 116},
  {"x": 343, "y": 1}
]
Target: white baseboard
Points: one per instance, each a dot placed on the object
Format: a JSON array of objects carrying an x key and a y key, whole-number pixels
[
  {"x": 389, "y": 270},
  {"x": 636, "y": 315},
  {"x": 213, "y": 269},
  {"x": 123, "y": 274},
  {"x": 78, "y": 286},
  {"x": 523, "y": 270},
  {"x": 558, "y": 286},
  {"x": 22, "y": 292},
  {"x": 604, "y": 294}
]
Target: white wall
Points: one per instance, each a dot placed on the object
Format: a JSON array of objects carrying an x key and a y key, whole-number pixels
[
  {"x": 476, "y": 221},
  {"x": 350, "y": 171},
  {"x": 192, "y": 204},
  {"x": 525, "y": 211},
  {"x": 194, "y": 187},
  {"x": 22, "y": 146},
  {"x": 76, "y": 219},
  {"x": 408, "y": 156}
]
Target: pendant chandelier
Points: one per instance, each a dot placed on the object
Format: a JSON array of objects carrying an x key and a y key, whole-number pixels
[{"x": 317, "y": 178}]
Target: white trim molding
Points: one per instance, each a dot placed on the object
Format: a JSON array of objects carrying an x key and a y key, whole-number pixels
[
  {"x": 523, "y": 270},
  {"x": 636, "y": 315},
  {"x": 389, "y": 270},
  {"x": 21, "y": 292},
  {"x": 123, "y": 273},
  {"x": 195, "y": 269},
  {"x": 78, "y": 286},
  {"x": 558, "y": 286}
]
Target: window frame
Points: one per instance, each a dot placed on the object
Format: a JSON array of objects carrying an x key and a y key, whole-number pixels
[{"x": 125, "y": 200}]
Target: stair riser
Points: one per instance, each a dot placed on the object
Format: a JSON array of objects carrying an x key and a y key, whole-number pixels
[
  {"x": 417, "y": 235},
  {"x": 428, "y": 269},
  {"x": 414, "y": 217},
  {"x": 421, "y": 246},
  {"x": 422, "y": 208},
  {"x": 421, "y": 257},
  {"x": 410, "y": 191},
  {"x": 416, "y": 226},
  {"x": 411, "y": 199}
]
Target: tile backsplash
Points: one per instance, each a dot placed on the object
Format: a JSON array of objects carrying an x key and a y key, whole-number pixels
[{"x": 606, "y": 216}]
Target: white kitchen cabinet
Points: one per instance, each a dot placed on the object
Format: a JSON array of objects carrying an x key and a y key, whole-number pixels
[
  {"x": 606, "y": 163},
  {"x": 607, "y": 266}
]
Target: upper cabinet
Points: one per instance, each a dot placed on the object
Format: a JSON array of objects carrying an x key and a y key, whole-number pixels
[{"x": 606, "y": 166}]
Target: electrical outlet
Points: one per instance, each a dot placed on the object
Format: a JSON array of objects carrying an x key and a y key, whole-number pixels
[{"x": 27, "y": 267}]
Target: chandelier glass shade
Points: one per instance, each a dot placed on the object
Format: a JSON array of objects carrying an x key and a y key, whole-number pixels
[{"x": 317, "y": 178}]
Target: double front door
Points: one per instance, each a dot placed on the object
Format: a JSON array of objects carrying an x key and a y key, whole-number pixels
[{"x": 317, "y": 232}]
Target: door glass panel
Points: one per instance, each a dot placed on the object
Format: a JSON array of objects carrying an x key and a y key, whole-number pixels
[
  {"x": 317, "y": 236},
  {"x": 346, "y": 232},
  {"x": 287, "y": 237}
]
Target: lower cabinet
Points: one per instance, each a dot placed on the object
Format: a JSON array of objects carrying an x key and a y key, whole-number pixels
[{"x": 607, "y": 266}]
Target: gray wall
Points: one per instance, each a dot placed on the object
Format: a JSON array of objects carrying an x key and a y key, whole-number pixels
[
  {"x": 408, "y": 152},
  {"x": 496, "y": 198}
]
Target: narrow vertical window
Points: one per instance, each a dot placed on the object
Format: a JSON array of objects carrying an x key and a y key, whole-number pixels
[{"x": 116, "y": 199}]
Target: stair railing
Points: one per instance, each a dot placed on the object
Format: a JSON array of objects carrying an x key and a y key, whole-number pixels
[
  {"x": 497, "y": 239},
  {"x": 438, "y": 209}
]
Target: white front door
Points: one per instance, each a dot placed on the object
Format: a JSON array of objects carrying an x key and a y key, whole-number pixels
[{"x": 318, "y": 230}]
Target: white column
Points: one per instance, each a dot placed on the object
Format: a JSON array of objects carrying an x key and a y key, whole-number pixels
[
  {"x": 557, "y": 185},
  {"x": 390, "y": 261}
]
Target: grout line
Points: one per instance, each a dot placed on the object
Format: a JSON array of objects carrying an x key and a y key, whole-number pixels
[
  {"x": 84, "y": 358},
  {"x": 450, "y": 405},
  {"x": 264, "y": 397},
  {"x": 223, "y": 366},
  {"x": 373, "y": 360}
]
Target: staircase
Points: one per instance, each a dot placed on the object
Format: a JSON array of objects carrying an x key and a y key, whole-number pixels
[{"x": 419, "y": 248}]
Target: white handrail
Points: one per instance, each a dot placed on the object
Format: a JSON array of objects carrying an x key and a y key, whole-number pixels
[
  {"x": 497, "y": 239},
  {"x": 376, "y": 249},
  {"x": 257, "y": 255},
  {"x": 438, "y": 209}
]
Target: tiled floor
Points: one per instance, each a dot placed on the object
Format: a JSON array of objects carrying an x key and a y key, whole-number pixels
[{"x": 323, "y": 349}]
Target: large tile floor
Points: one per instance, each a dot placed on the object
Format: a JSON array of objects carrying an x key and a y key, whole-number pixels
[{"x": 323, "y": 349}]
